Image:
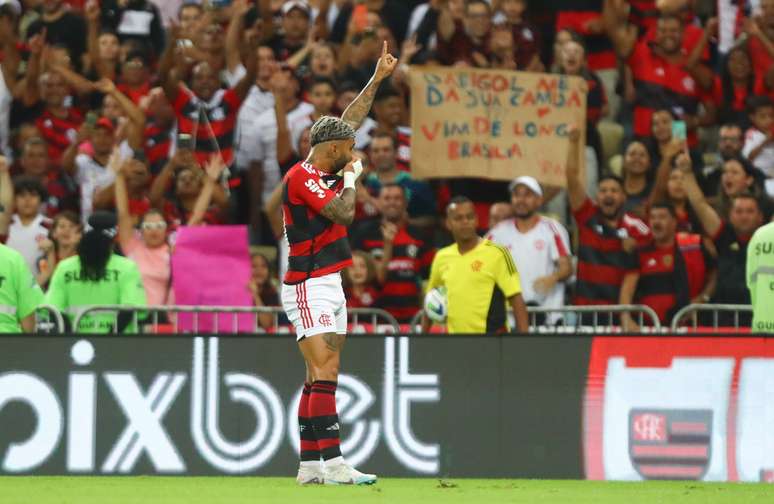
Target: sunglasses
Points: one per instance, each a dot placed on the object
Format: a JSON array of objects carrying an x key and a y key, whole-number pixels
[{"x": 154, "y": 225}]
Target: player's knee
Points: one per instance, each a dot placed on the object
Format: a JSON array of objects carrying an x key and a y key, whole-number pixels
[{"x": 328, "y": 371}]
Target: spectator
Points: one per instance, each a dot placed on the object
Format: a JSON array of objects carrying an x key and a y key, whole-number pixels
[
  {"x": 104, "y": 47},
  {"x": 526, "y": 37},
  {"x": 91, "y": 171},
  {"x": 637, "y": 178},
  {"x": 137, "y": 20},
  {"x": 61, "y": 26},
  {"x": 661, "y": 77},
  {"x": 261, "y": 289},
  {"x": 259, "y": 140},
  {"x": 479, "y": 278},
  {"x": 465, "y": 41},
  {"x": 137, "y": 178},
  {"x": 732, "y": 88},
  {"x": 189, "y": 16},
  {"x": 401, "y": 253},
  {"x": 322, "y": 95},
  {"x": 360, "y": 281},
  {"x": 259, "y": 100},
  {"x": 183, "y": 171},
  {"x": 730, "y": 236},
  {"x": 62, "y": 242},
  {"x": 28, "y": 225},
  {"x": 738, "y": 178},
  {"x": 9, "y": 66},
  {"x": 673, "y": 270},
  {"x": 573, "y": 62},
  {"x": 388, "y": 111},
  {"x": 296, "y": 24},
  {"x": 97, "y": 276},
  {"x": 499, "y": 212},
  {"x": 759, "y": 139},
  {"x": 203, "y": 206},
  {"x": 539, "y": 245},
  {"x": 760, "y": 31},
  {"x": 607, "y": 235},
  {"x": 204, "y": 110},
  {"x": 148, "y": 248},
  {"x": 669, "y": 187},
  {"x": 60, "y": 189},
  {"x": 158, "y": 140},
  {"x": 421, "y": 200},
  {"x": 730, "y": 144}
]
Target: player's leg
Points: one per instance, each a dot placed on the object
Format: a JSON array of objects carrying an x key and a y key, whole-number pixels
[{"x": 310, "y": 469}]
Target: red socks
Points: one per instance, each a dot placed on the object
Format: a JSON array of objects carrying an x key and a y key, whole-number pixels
[
  {"x": 309, "y": 450},
  {"x": 324, "y": 419}
]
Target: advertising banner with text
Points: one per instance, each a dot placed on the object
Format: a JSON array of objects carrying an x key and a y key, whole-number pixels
[
  {"x": 494, "y": 124},
  {"x": 409, "y": 406}
]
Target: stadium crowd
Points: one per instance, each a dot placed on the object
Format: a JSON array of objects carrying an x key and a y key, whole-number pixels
[{"x": 121, "y": 106}]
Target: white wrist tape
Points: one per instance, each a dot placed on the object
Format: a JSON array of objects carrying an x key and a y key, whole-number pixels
[
  {"x": 349, "y": 180},
  {"x": 358, "y": 167}
]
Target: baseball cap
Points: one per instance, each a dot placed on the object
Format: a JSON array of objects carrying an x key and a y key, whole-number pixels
[
  {"x": 13, "y": 5},
  {"x": 296, "y": 4},
  {"x": 527, "y": 181},
  {"x": 104, "y": 122}
]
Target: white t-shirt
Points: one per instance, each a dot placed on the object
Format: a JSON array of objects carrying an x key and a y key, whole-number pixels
[
  {"x": 262, "y": 136},
  {"x": 256, "y": 103},
  {"x": 25, "y": 239},
  {"x": 92, "y": 176},
  {"x": 765, "y": 160},
  {"x": 535, "y": 254}
]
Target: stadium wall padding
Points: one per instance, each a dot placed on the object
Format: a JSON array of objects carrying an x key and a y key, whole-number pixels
[{"x": 535, "y": 406}]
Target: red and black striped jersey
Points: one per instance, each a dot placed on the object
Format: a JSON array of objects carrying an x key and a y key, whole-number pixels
[
  {"x": 157, "y": 143},
  {"x": 661, "y": 84},
  {"x": 576, "y": 16},
  {"x": 214, "y": 122},
  {"x": 602, "y": 260},
  {"x": 58, "y": 132},
  {"x": 318, "y": 246},
  {"x": 411, "y": 259}
]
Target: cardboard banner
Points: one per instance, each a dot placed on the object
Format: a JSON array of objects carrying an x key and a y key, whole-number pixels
[
  {"x": 211, "y": 267},
  {"x": 493, "y": 124}
]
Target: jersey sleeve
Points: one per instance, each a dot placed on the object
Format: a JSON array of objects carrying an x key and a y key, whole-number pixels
[
  {"x": 131, "y": 290},
  {"x": 435, "y": 273},
  {"x": 585, "y": 212},
  {"x": 30, "y": 295},
  {"x": 560, "y": 245},
  {"x": 306, "y": 188},
  {"x": 506, "y": 274}
]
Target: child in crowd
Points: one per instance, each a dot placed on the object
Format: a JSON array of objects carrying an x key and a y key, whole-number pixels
[
  {"x": 359, "y": 281},
  {"x": 29, "y": 227}
]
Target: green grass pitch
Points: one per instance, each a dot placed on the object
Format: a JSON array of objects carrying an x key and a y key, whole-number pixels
[{"x": 244, "y": 490}]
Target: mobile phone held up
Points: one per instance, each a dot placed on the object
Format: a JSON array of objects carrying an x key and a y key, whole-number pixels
[{"x": 184, "y": 141}]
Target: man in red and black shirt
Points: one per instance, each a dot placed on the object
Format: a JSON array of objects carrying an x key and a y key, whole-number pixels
[
  {"x": 607, "y": 235},
  {"x": 663, "y": 79},
  {"x": 206, "y": 111},
  {"x": 672, "y": 271},
  {"x": 58, "y": 123},
  {"x": 317, "y": 205},
  {"x": 403, "y": 256},
  {"x": 157, "y": 137}
]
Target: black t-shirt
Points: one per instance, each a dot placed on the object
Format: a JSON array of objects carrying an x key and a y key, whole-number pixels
[
  {"x": 732, "y": 257},
  {"x": 68, "y": 31}
]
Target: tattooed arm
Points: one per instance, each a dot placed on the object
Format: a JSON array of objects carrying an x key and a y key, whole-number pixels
[
  {"x": 359, "y": 108},
  {"x": 341, "y": 210}
]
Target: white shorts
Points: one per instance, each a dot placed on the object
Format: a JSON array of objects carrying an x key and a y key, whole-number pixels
[{"x": 316, "y": 306}]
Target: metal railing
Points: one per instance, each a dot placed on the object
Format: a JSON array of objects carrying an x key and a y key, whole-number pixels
[
  {"x": 713, "y": 316},
  {"x": 211, "y": 319},
  {"x": 572, "y": 319},
  {"x": 49, "y": 320}
]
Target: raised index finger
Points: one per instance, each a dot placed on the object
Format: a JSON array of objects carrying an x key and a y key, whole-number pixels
[{"x": 384, "y": 48}]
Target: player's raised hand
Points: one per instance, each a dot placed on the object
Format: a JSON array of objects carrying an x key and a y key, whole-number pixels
[{"x": 386, "y": 64}]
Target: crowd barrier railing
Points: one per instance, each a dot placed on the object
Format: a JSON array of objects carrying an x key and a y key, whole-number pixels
[
  {"x": 572, "y": 319},
  {"x": 49, "y": 320},
  {"x": 715, "y": 316},
  {"x": 219, "y": 319}
]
